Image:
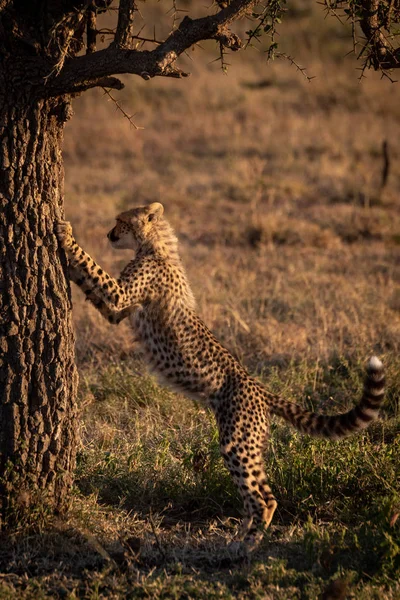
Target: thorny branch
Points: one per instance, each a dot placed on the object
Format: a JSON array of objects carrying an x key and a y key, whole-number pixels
[
  {"x": 382, "y": 55},
  {"x": 62, "y": 69},
  {"x": 121, "y": 109},
  {"x": 83, "y": 72},
  {"x": 91, "y": 32},
  {"x": 375, "y": 18},
  {"x": 295, "y": 64},
  {"x": 124, "y": 33}
]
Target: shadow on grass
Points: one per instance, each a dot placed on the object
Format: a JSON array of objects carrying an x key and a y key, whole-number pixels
[
  {"x": 96, "y": 553},
  {"x": 68, "y": 548}
]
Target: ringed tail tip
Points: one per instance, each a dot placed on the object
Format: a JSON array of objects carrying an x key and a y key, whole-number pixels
[{"x": 375, "y": 364}]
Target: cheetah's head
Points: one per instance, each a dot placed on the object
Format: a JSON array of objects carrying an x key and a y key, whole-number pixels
[{"x": 137, "y": 226}]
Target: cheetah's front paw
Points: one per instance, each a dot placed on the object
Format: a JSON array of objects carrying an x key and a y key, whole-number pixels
[{"x": 64, "y": 233}]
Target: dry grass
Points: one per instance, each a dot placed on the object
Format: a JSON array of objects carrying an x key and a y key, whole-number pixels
[{"x": 292, "y": 246}]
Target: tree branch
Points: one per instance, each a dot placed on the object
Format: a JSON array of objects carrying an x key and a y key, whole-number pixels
[
  {"x": 4, "y": 4},
  {"x": 124, "y": 33},
  {"x": 82, "y": 71},
  {"x": 104, "y": 82},
  {"x": 382, "y": 55},
  {"x": 91, "y": 32}
]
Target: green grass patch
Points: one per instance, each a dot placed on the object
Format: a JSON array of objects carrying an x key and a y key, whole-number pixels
[
  {"x": 164, "y": 459},
  {"x": 154, "y": 509}
]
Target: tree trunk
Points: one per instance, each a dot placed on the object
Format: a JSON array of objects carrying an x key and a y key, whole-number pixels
[{"x": 38, "y": 378}]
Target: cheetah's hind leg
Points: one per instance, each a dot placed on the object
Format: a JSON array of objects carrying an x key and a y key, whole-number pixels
[{"x": 248, "y": 473}]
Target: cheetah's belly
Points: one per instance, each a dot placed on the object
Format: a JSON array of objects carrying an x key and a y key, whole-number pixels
[{"x": 180, "y": 358}]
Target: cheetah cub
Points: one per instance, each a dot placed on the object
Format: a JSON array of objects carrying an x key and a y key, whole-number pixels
[{"x": 154, "y": 293}]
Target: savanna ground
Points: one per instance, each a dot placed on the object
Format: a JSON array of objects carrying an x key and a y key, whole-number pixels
[{"x": 292, "y": 245}]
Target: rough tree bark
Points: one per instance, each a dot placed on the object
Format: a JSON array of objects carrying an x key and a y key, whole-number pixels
[{"x": 38, "y": 379}]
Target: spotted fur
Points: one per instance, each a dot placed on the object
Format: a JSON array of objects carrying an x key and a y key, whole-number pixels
[{"x": 153, "y": 291}]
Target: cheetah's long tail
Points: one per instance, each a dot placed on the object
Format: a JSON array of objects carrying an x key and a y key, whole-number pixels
[{"x": 338, "y": 426}]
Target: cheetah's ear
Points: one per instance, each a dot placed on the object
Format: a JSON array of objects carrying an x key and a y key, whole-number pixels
[{"x": 155, "y": 211}]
